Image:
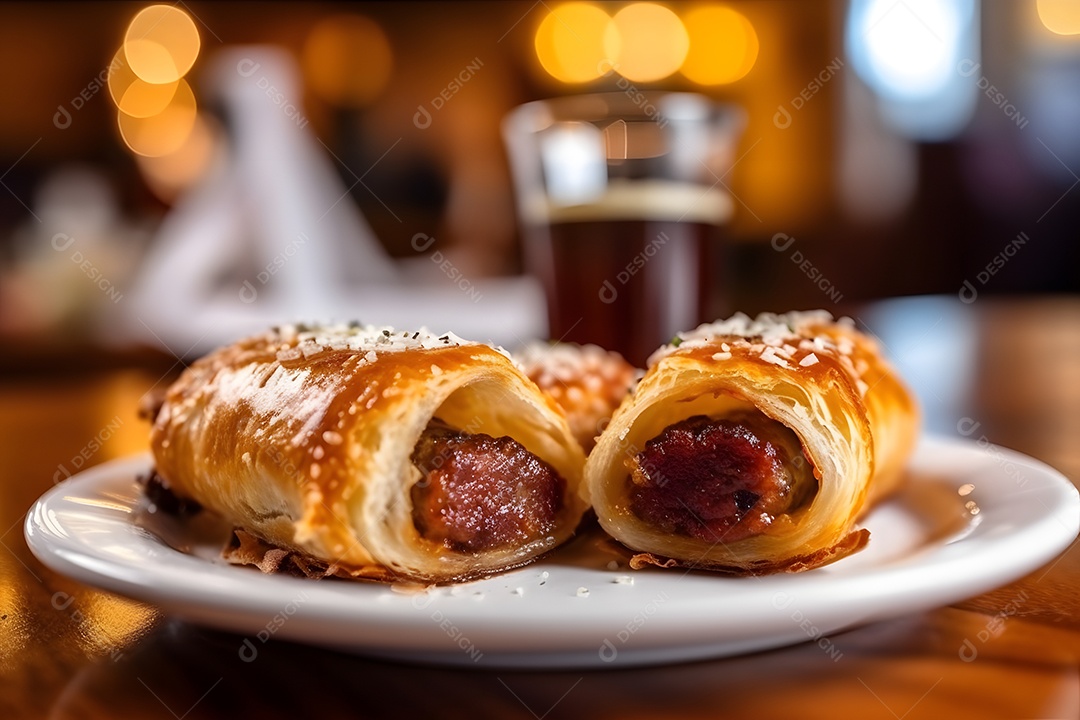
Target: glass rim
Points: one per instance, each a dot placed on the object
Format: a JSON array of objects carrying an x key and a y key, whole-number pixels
[{"x": 642, "y": 105}]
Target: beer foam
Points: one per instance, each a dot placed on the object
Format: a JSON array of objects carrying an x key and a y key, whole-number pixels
[{"x": 665, "y": 200}]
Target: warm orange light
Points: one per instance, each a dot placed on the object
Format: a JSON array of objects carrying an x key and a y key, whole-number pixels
[
  {"x": 134, "y": 96},
  {"x": 164, "y": 132},
  {"x": 648, "y": 41},
  {"x": 161, "y": 44},
  {"x": 570, "y": 42},
  {"x": 1060, "y": 16},
  {"x": 723, "y": 45},
  {"x": 347, "y": 60},
  {"x": 171, "y": 174},
  {"x": 109, "y": 624}
]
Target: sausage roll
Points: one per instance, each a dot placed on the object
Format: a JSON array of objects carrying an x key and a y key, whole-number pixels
[
  {"x": 753, "y": 446},
  {"x": 386, "y": 454},
  {"x": 586, "y": 381}
]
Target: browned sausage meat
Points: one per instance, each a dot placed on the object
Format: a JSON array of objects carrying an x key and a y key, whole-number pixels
[
  {"x": 720, "y": 480},
  {"x": 478, "y": 492}
]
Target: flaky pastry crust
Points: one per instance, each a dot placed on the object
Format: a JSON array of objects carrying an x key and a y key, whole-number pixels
[
  {"x": 823, "y": 379},
  {"x": 302, "y": 437}
]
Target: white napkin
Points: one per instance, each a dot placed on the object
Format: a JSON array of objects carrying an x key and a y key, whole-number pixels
[{"x": 271, "y": 235}]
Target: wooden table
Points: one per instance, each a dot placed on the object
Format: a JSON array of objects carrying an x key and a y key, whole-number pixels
[{"x": 1013, "y": 367}]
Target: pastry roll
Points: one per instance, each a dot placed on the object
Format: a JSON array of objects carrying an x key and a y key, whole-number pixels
[
  {"x": 383, "y": 454},
  {"x": 586, "y": 381},
  {"x": 753, "y": 446}
]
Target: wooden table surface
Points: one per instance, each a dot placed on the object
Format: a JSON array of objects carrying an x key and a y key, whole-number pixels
[{"x": 1010, "y": 366}]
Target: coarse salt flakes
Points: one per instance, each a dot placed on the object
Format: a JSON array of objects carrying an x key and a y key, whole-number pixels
[
  {"x": 770, "y": 356},
  {"x": 309, "y": 340},
  {"x": 289, "y": 354}
]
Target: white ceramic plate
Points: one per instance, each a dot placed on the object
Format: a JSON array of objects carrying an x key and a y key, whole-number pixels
[{"x": 970, "y": 519}]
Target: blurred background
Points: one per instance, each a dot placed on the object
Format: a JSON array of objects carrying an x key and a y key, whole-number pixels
[{"x": 156, "y": 161}]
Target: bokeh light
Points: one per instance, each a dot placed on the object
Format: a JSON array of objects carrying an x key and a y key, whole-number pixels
[
  {"x": 1060, "y": 16},
  {"x": 723, "y": 45},
  {"x": 907, "y": 50},
  {"x": 347, "y": 60},
  {"x": 135, "y": 96},
  {"x": 170, "y": 174},
  {"x": 161, "y": 44},
  {"x": 648, "y": 42},
  {"x": 570, "y": 43},
  {"x": 164, "y": 132},
  {"x": 915, "y": 56}
]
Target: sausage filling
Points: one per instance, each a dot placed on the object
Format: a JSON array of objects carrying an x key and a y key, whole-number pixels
[
  {"x": 720, "y": 480},
  {"x": 477, "y": 492}
]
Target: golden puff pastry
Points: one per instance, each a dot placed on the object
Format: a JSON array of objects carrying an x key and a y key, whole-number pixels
[
  {"x": 753, "y": 446},
  {"x": 586, "y": 381},
  {"x": 383, "y": 454}
]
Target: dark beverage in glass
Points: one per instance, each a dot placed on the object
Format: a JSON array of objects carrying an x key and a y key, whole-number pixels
[
  {"x": 629, "y": 284},
  {"x": 622, "y": 210}
]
